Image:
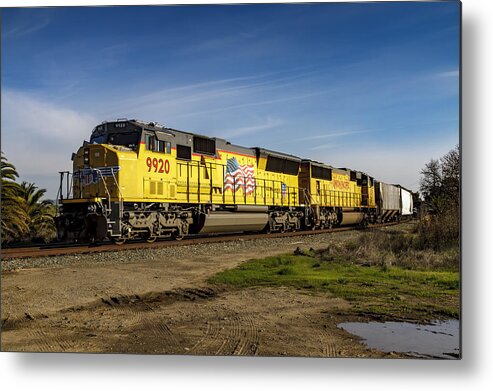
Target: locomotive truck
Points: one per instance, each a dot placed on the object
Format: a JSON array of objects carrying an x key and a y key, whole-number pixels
[{"x": 137, "y": 179}]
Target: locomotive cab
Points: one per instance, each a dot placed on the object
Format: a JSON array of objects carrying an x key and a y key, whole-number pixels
[
  {"x": 120, "y": 178},
  {"x": 94, "y": 190}
]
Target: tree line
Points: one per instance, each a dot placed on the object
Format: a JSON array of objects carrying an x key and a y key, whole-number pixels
[
  {"x": 440, "y": 190},
  {"x": 26, "y": 216}
]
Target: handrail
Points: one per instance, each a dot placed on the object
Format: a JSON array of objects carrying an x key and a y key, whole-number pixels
[
  {"x": 104, "y": 183},
  {"x": 120, "y": 213}
]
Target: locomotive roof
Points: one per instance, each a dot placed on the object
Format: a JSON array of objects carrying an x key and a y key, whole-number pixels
[
  {"x": 358, "y": 172},
  {"x": 278, "y": 154},
  {"x": 220, "y": 142},
  {"x": 319, "y": 164},
  {"x": 158, "y": 127}
]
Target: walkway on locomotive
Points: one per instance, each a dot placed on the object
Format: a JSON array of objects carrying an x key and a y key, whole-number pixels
[{"x": 203, "y": 170}]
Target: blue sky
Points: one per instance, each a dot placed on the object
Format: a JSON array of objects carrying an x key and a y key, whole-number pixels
[{"x": 372, "y": 86}]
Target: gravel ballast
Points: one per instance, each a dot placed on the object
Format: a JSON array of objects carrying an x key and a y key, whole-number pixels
[{"x": 255, "y": 246}]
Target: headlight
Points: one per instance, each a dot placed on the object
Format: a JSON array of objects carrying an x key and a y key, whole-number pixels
[{"x": 86, "y": 155}]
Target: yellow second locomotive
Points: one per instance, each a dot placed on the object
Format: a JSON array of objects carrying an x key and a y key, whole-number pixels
[{"x": 142, "y": 180}]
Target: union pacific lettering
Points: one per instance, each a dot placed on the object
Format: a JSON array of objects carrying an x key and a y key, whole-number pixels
[{"x": 338, "y": 184}]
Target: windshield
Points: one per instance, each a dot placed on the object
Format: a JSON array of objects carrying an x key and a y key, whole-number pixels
[
  {"x": 130, "y": 140},
  {"x": 98, "y": 139}
]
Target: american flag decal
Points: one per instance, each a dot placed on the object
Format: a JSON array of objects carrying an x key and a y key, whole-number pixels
[{"x": 237, "y": 176}]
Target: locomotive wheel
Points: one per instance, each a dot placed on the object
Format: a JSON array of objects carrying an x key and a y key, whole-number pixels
[
  {"x": 181, "y": 231},
  {"x": 178, "y": 236},
  {"x": 149, "y": 238},
  {"x": 119, "y": 241}
]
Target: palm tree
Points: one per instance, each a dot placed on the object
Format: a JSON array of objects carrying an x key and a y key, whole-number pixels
[
  {"x": 40, "y": 213},
  {"x": 14, "y": 219}
]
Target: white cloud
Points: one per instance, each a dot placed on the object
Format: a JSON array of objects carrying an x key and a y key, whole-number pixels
[
  {"x": 454, "y": 73},
  {"x": 211, "y": 96},
  {"x": 31, "y": 116},
  {"x": 246, "y": 130},
  {"x": 257, "y": 103},
  {"x": 323, "y": 147},
  {"x": 39, "y": 137},
  {"x": 25, "y": 27},
  {"x": 329, "y": 135}
]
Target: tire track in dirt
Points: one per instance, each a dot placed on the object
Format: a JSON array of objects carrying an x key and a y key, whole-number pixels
[
  {"x": 164, "y": 332},
  {"x": 146, "y": 318},
  {"x": 329, "y": 345},
  {"x": 48, "y": 343},
  {"x": 211, "y": 336},
  {"x": 327, "y": 340},
  {"x": 229, "y": 341},
  {"x": 241, "y": 337},
  {"x": 34, "y": 329},
  {"x": 165, "y": 335},
  {"x": 129, "y": 309},
  {"x": 249, "y": 337},
  {"x": 39, "y": 339},
  {"x": 136, "y": 313}
]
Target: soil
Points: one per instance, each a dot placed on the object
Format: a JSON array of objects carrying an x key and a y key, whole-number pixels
[{"x": 151, "y": 302}]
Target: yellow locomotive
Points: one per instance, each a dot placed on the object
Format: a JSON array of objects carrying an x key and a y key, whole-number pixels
[
  {"x": 337, "y": 196},
  {"x": 141, "y": 180}
]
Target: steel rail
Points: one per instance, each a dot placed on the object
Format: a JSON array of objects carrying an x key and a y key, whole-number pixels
[{"x": 72, "y": 249}]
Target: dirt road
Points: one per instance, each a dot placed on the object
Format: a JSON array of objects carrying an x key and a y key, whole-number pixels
[{"x": 159, "y": 302}]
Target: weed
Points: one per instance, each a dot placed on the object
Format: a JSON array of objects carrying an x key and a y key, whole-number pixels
[
  {"x": 381, "y": 272},
  {"x": 285, "y": 271}
]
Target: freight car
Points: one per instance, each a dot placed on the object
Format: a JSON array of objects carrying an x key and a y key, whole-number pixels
[
  {"x": 407, "y": 207},
  {"x": 394, "y": 202},
  {"x": 135, "y": 179}
]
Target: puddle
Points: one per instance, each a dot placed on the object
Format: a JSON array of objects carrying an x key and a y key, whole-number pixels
[{"x": 438, "y": 340}]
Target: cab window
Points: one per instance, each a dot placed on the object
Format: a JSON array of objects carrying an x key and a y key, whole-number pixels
[
  {"x": 159, "y": 146},
  {"x": 150, "y": 142},
  {"x": 155, "y": 145}
]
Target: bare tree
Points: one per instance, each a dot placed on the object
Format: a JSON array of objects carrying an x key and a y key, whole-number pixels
[
  {"x": 440, "y": 187},
  {"x": 440, "y": 182},
  {"x": 450, "y": 164}
]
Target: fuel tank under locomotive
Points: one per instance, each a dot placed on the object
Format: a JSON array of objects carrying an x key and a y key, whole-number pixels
[
  {"x": 352, "y": 217},
  {"x": 239, "y": 218}
]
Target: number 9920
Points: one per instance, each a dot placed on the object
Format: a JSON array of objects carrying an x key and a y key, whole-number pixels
[{"x": 157, "y": 165}]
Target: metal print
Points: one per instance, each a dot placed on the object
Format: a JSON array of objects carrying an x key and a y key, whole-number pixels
[{"x": 262, "y": 180}]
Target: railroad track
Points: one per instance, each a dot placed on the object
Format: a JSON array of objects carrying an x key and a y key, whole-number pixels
[{"x": 69, "y": 249}]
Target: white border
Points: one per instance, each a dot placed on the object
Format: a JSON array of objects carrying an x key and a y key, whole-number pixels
[{"x": 122, "y": 372}]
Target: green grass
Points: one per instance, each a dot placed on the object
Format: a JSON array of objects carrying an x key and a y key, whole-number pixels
[{"x": 392, "y": 291}]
